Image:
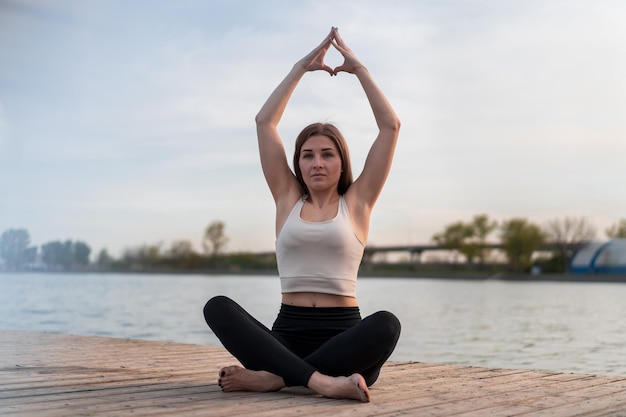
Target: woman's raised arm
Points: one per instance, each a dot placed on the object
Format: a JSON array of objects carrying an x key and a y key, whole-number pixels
[
  {"x": 278, "y": 175},
  {"x": 378, "y": 163}
]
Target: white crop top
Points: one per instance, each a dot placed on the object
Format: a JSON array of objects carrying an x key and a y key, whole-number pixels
[{"x": 321, "y": 257}]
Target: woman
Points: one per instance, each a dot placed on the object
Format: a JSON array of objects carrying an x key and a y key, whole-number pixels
[{"x": 322, "y": 217}]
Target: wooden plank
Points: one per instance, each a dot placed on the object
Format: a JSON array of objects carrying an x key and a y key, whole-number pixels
[{"x": 60, "y": 375}]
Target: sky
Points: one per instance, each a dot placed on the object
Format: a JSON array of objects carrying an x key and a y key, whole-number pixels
[{"x": 131, "y": 123}]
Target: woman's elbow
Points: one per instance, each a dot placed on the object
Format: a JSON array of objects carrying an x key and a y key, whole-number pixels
[
  {"x": 397, "y": 124},
  {"x": 263, "y": 121},
  {"x": 393, "y": 125}
]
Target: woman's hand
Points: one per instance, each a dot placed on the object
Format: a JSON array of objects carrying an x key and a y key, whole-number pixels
[
  {"x": 315, "y": 59},
  {"x": 350, "y": 62}
]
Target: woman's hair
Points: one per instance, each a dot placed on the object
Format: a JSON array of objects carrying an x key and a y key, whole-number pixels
[{"x": 330, "y": 131}]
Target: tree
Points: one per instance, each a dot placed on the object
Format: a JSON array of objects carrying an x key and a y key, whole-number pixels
[
  {"x": 568, "y": 233},
  {"x": 68, "y": 254},
  {"x": 481, "y": 229},
  {"x": 183, "y": 256},
  {"x": 519, "y": 239},
  {"x": 454, "y": 238},
  {"x": 181, "y": 249},
  {"x": 81, "y": 253},
  {"x": 104, "y": 259},
  {"x": 52, "y": 253},
  {"x": 214, "y": 239},
  {"x": 469, "y": 239},
  {"x": 30, "y": 254},
  {"x": 145, "y": 255},
  {"x": 58, "y": 254},
  {"x": 617, "y": 231},
  {"x": 13, "y": 247}
]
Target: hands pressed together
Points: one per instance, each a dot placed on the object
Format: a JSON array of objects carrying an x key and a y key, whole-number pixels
[{"x": 315, "y": 59}]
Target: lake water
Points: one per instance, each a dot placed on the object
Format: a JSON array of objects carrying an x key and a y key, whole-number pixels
[{"x": 572, "y": 327}]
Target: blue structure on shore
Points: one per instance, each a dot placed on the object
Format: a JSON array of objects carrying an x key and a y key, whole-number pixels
[{"x": 600, "y": 258}]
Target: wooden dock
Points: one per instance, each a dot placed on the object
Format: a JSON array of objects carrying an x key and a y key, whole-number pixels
[{"x": 45, "y": 375}]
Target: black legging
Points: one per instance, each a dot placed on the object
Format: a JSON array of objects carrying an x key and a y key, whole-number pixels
[{"x": 334, "y": 341}]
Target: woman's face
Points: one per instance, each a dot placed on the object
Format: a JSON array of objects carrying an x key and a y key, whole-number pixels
[{"x": 320, "y": 163}]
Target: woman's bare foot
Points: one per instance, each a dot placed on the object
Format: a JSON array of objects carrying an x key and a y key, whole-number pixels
[
  {"x": 352, "y": 387},
  {"x": 236, "y": 378}
]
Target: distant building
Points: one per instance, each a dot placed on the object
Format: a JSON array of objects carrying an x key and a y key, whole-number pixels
[{"x": 600, "y": 258}]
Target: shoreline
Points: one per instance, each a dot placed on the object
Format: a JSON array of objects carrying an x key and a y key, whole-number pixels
[
  {"x": 510, "y": 277},
  {"x": 465, "y": 276}
]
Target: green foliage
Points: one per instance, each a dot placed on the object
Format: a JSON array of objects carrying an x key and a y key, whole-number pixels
[
  {"x": 181, "y": 255},
  {"x": 482, "y": 227},
  {"x": 469, "y": 239},
  {"x": 65, "y": 255},
  {"x": 454, "y": 237},
  {"x": 618, "y": 230},
  {"x": 14, "y": 250},
  {"x": 519, "y": 239},
  {"x": 553, "y": 264},
  {"x": 181, "y": 249},
  {"x": 249, "y": 261},
  {"x": 141, "y": 257}
]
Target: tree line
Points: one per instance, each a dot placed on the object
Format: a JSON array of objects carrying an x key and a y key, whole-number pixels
[
  {"x": 519, "y": 239},
  {"x": 16, "y": 253}
]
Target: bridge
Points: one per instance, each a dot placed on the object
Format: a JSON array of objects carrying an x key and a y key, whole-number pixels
[{"x": 415, "y": 251}]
